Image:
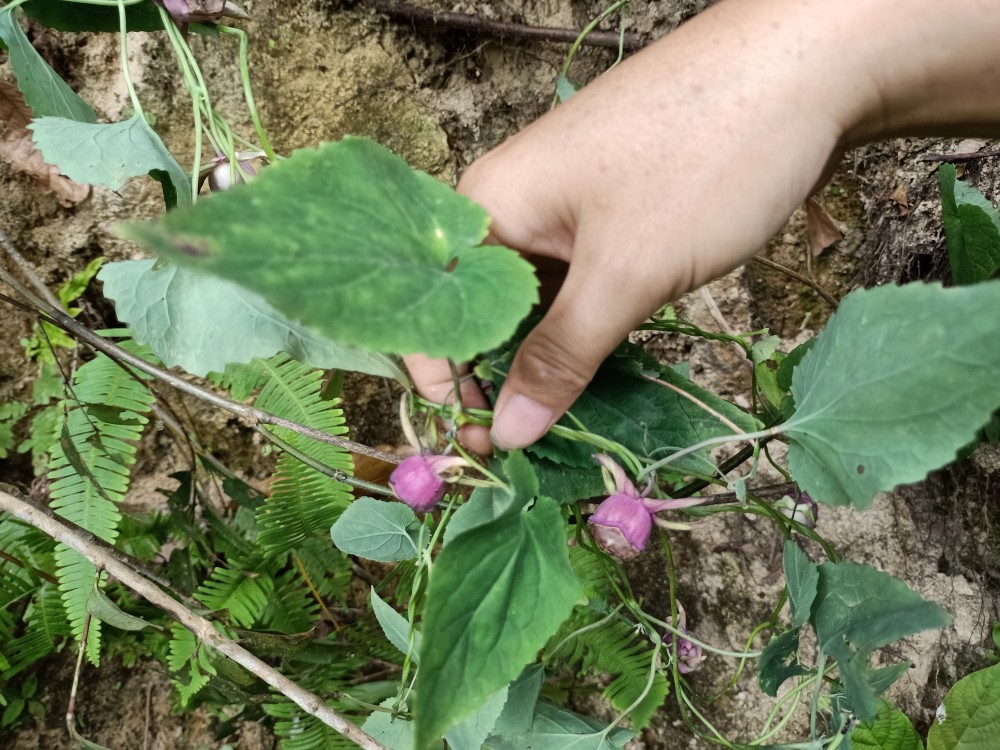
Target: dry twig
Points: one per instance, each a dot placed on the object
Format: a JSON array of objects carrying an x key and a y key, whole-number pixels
[
  {"x": 58, "y": 529},
  {"x": 478, "y": 25}
]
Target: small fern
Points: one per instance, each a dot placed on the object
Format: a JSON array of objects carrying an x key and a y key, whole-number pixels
[
  {"x": 90, "y": 473},
  {"x": 45, "y": 630},
  {"x": 615, "y": 648},
  {"x": 244, "y": 593},
  {"x": 292, "y": 608},
  {"x": 190, "y": 663},
  {"x": 303, "y": 502}
]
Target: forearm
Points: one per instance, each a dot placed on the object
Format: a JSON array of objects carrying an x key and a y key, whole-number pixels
[{"x": 936, "y": 66}]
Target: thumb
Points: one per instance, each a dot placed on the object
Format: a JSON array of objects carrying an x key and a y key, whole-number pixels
[{"x": 590, "y": 316}]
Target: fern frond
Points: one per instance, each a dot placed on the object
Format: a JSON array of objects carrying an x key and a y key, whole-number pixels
[
  {"x": 298, "y": 730},
  {"x": 90, "y": 472},
  {"x": 190, "y": 663},
  {"x": 329, "y": 569},
  {"x": 292, "y": 608},
  {"x": 46, "y": 628},
  {"x": 616, "y": 649},
  {"x": 303, "y": 503},
  {"x": 244, "y": 593}
]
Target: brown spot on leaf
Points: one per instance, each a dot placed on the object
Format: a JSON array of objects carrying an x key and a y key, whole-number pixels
[{"x": 861, "y": 469}]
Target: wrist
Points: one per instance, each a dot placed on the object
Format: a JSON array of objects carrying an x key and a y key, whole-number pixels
[{"x": 933, "y": 67}]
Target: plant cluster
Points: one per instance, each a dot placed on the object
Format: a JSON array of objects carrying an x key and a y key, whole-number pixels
[{"x": 502, "y": 579}]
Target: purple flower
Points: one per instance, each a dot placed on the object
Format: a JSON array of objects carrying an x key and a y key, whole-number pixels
[
  {"x": 202, "y": 11},
  {"x": 419, "y": 481},
  {"x": 689, "y": 656},
  {"x": 802, "y": 509},
  {"x": 621, "y": 524}
]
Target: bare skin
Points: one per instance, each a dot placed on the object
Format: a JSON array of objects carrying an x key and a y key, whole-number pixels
[{"x": 678, "y": 165}]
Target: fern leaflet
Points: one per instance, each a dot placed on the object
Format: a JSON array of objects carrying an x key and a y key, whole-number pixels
[
  {"x": 244, "y": 594},
  {"x": 90, "y": 473}
]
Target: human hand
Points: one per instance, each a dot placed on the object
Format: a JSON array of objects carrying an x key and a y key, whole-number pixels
[{"x": 670, "y": 170}]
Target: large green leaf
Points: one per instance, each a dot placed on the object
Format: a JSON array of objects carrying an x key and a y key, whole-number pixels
[
  {"x": 110, "y": 154},
  {"x": 972, "y": 227},
  {"x": 801, "y": 578},
  {"x": 971, "y": 714},
  {"x": 395, "y": 627},
  {"x": 498, "y": 592},
  {"x": 859, "y": 609},
  {"x": 558, "y": 729},
  {"x": 349, "y": 240},
  {"x": 76, "y": 16},
  {"x": 890, "y": 730},
  {"x": 779, "y": 662},
  {"x": 45, "y": 93},
  {"x": 377, "y": 530},
  {"x": 900, "y": 379},
  {"x": 202, "y": 323},
  {"x": 646, "y": 417}
]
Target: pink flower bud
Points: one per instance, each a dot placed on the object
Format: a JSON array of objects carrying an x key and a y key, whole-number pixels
[
  {"x": 621, "y": 525},
  {"x": 689, "y": 656},
  {"x": 419, "y": 481},
  {"x": 222, "y": 175},
  {"x": 803, "y": 510},
  {"x": 202, "y": 11}
]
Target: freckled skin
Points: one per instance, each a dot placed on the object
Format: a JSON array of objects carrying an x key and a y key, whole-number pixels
[{"x": 679, "y": 164}]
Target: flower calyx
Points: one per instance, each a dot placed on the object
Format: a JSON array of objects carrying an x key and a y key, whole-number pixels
[
  {"x": 421, "y": 481},
  {"x": 689, "y": 655}
]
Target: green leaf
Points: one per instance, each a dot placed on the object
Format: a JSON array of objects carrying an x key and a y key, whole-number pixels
[
  {"x": 202, "y": 323},
  {"x": 498, "y": 593},
  {"x": 109, "y": 154},
  {"x": 565, "y": 88},
  {"x": 558, "y": 729},
  {"x": 377, "y": 530},
  {"x": 479, "y": 509},
  {"x": 75, "y": 16},
  {"x": 567, "y": 484},
  {"x": 779, "y": 662},
  {"x": 45, "y": 93},
  {"x": 393, "y": 732},
  {"x": 645, "y": 417},
  {"x": 972, "y": 228},
  {"x": 395, "y": 627},
  {"x": 972, "y": 714},
  {"x": 101, "y": 607},
  {"x": 472, "y": 731},
  {"x": 801, "y": 578},
  {"x": 859, "y": 609},
  {"x": 897, "y": 383},
  {"x": 884, "y": 678},
  {"x": 522, "y": 697},
  {"x": 10, "y": 415},
  {"x": 522, "y": 481},
  {"x": 381, "y": 256},
  {"x": 890, "y": 730}
]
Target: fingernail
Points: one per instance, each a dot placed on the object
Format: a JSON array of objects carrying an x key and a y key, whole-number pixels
[{"x": 520, "y": 422}]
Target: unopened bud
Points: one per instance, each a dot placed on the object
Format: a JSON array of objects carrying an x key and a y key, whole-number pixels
[{"x": 421, "y": 481}]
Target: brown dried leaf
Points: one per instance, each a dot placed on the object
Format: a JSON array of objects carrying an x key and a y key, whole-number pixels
[
  {"x": 821, "y": 229},
  {"x": 17, "y": 148},
  {"x": 901, "y": 199}
]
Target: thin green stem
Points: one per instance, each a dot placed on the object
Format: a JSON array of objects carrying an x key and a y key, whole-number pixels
[
  {"x": 123, "y": 47},
  {"x": 265, "y": 142},
  {"x": 705, "y": 646},
  {"x": 580, "y": 631},
  {"x": 710, "y": 442},
  {"x": 575, "y": 47},
  {"x": 814, "y": 707}
]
